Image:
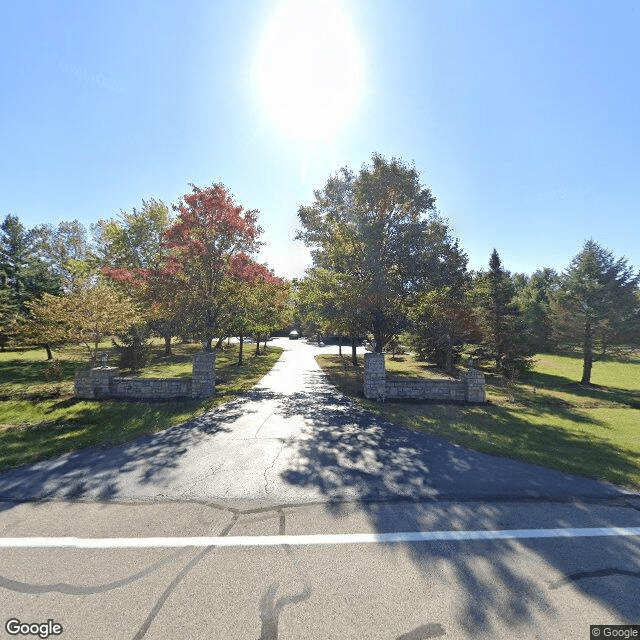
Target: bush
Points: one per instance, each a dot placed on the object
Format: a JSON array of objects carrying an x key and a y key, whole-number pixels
[{"x": 135, "y": 351}]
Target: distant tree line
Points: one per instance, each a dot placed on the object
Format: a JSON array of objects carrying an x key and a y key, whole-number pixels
[{"x": 386, "y": 267}]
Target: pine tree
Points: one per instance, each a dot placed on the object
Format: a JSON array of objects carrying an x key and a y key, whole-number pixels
[
  {"x": 597, "y": 304},
  {"x": 505, "y": 339}
]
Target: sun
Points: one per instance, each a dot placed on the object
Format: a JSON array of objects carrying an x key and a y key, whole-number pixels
[{"x": 308, "y": 68}]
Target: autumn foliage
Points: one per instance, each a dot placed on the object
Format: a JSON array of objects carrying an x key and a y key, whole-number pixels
[{"x": 206, "y": 258}]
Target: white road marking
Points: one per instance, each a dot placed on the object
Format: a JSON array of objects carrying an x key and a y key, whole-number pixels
[{"x": 307, "y": 540}]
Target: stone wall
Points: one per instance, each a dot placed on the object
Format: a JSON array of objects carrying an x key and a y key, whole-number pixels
[
  {"x": 104, "y": 382},
  {"x": 471, "y": 388}
]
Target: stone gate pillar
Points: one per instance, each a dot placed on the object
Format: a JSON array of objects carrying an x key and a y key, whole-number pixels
[
  {"x": 95, "y": 383},
  {"x": 375, "y": 378},
  {"x": 203, "y": 376},
  {"x": 474, "y": 386}
]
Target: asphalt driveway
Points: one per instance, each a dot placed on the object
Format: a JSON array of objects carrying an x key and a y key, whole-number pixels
[{"x": 293, "y": 439}]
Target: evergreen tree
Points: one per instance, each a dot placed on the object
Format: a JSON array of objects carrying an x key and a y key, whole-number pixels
[
  {"x": 534, "y": 302},
  {"x": 597, "y": 304},
  {"x": 504, "y": 336},
  {"x": 24, "y": 277}
]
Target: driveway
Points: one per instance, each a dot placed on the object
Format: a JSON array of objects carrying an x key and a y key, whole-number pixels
[{"x": 293, "y": 439}]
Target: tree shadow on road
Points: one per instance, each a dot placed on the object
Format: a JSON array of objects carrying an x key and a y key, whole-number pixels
[
  {"x": 97, "y": 472},
  {"x": 350, "y": 456}
]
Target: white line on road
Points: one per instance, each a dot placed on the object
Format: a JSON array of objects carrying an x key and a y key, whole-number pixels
[{"x": 304, "y": 540}]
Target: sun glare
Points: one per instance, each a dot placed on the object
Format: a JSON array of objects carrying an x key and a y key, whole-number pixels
[{"x": 309, "y": 68}]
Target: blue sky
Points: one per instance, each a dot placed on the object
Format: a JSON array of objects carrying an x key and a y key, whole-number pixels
[{"x": 522, "y": 117}]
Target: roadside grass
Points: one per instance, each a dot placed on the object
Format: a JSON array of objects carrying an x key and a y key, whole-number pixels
[
  {"x": 549, "y": 418},
  {"x": 40, "y": 418}
]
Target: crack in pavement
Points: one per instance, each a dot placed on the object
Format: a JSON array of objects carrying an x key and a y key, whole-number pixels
[
  {"x": 269, "y": 610},
  {"x": 598, "y": 573},
  {"x": 176, "y": 581},
  {"x": 264, "y": 422},
  {"x": 74, "y": 590},
  {"x": 266, "y": 480}
]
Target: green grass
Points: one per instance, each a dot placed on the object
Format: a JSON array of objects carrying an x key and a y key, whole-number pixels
[
  {"x": 549, "y": 418},
  {"x": 40, "y": 418}
]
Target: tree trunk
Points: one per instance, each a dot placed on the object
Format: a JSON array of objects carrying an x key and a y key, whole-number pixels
[
  {"x": 207, "y": 344},
  {"x": 449, "y": 356},
  {"x": 47, "y": 347},
  {"x": 340, "y": 344},
  {"x": 354, "y": 355},
  {"x": 265, "y": 344},
  {"x": 240, "y": 350},
  {"x": 587, "y": 351},
  {"x": 219, "y": 343},
  {"x": 167, "y": 344},
  {"x": 257, "y": 345}
]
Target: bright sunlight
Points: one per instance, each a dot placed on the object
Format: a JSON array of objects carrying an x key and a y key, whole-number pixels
[{"x": 309, "y": 68}]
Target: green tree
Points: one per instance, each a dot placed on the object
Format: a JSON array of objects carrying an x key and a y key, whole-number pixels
[
  {"x": 134, "y": 240},
  {"x": 534, "y": 303},
  {"x": 441, "y": 320},
  {"x": 379, "y": 231},
  {"x": 131, "y": 251},
  {"x": 85, "y": 315},
  {"x": 504, "y": 336},
  {"x": 597, "y": 304},
  {"x": 24, "y": 277},
  {"x": 66, "y": 251},
  {"x": 329, "y": 302}
]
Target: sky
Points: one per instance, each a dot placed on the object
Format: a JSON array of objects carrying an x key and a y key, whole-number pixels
[{"x": 521, "y": 117}]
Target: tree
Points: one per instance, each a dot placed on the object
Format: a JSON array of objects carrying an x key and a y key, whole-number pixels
[
  {"x": 66, "y": 252},
  {"x": 597, "y": 303},
  {"x": 534, "y": 302},
  {"x": 327, "y": 301},
  {"x": 380, "y": 231},
  {"x": 84, "y": 316},
  {"x": 131, "y": 251},
  {"x": 208, "y": 246},
  {"x": 135, "y": 240},
  {"x": 24, "y": 277},
  {"x": 441, "y": 320},
  {"x": 266, "y": 300},
  {"x": 504, "y": 336},
  {"x": 259, "y": 303}
]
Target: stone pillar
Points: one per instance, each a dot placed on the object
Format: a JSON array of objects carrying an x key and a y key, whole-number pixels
[
  {"x": 95, "y": 383},
  {"x": 203, "y": 377},
  {"x": 375, "y": 378},
  {"x": 474, "y": 386}
]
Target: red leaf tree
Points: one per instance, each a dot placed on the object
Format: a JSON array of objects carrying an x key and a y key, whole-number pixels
[{"x": 208, "y": 249}]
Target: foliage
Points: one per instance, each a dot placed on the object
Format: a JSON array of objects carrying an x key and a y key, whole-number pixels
[
  {"x": 189, "y": 282},
  {"x": 597, "y": 304},
  {"x": 134, "y": 349},
  {"x": 380, "y": 237},
  {"x": 84, "y": 316},
  {"x": 504, "y": 336},
  {"x": 65, "y": 250},
  {"x": 442, "y": 319},
  {"x": 134, "y": 241},
  {"x": 24, "y": 277},
  {"x": 208, "y": 252},
  {"x": 534, "y": 302}
]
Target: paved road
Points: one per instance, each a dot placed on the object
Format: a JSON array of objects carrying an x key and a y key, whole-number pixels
[
  {"x": 293, "y": 439},
  {"x": 295, "y": 458}
]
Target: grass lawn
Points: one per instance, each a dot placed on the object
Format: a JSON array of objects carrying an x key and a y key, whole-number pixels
[
  {"x": 40, "y": 418},
  {"x": 548, "y": 418}
]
